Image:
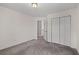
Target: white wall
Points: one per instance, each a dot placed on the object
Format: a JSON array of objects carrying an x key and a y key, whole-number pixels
[
  {"x": 77, "y": 27},
  {"x": 15, "y": 28}
]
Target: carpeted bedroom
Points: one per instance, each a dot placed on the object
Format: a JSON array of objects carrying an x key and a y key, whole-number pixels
[{"x": 39, "y": 28}]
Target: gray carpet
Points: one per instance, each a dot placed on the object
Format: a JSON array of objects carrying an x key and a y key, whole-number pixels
[{"x": 39, "y": 47}]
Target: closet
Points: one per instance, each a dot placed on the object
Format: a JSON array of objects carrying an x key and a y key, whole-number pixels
[{"x": 55, "y": 29}]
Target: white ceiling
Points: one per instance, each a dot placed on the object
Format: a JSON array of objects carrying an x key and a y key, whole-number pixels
[{"x": 42, "y": 10}]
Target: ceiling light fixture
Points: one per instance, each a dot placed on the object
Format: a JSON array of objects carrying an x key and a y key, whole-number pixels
[{"x": 34, "y": 5}]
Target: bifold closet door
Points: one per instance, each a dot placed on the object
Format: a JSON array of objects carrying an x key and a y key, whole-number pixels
[
  {"x": 65, "y": 30},
  {"x": 61, "y": 30},
  {"x": 55, "y": 30}
]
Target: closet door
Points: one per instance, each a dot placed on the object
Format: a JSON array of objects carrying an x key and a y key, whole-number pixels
[
  {"x": 65, "y": 30},
  {"x": 55, "y": 30}
]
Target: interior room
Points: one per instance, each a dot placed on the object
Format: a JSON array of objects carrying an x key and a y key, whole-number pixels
[{"x": 39, "y": 28}]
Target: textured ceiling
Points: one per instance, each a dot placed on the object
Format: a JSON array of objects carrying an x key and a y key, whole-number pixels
[{"x": 43, "y": 9}]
